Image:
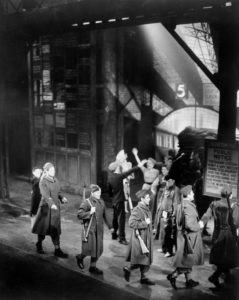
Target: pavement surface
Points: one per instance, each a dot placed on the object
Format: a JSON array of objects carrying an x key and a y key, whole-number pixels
[{"x": 24, "y": 274}]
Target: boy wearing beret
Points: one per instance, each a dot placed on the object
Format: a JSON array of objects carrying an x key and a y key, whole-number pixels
[
  {"x": 92, "y": 212},
  {"x": 189, "y": 242}
]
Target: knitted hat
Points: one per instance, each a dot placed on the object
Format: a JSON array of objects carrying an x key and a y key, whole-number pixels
[
  {"x": 36, "y": 168},
  {"x": 186, "y": 190},
  {"x": 47, "y": 166},
  {"x": 142, "y": 193},
  {"x": 94, "y": 188}
]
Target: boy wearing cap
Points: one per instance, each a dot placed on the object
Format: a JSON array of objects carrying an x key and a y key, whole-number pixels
[
  {"x": 224, "y": 252},
  {"x": 48, "y": 220},
  {"x": 92, "y": 212},
  {"x": 141, "y": 222},
  {"x": 189, "y": 242}
]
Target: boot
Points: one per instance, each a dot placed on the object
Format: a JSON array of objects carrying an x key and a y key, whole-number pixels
[
  {"x": 126, "y": 273},
  {"x": 145, "y": 280},
  {"x": 60, "y": 253},
  {"x": 172, "y": 281},
  {"x": 191, "y": 283},
  {"x": 39, "y": 248}
]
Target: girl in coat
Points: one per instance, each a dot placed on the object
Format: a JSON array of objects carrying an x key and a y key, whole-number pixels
[
  {"x": 48, "y": 220},
  {"x": 35, "y": 193},
  {"x": 140, "y": 221},
  {"x": 189, "y": 241},
  {"x": 92, "y": 212},
  {"x": 224, "y": 252}
]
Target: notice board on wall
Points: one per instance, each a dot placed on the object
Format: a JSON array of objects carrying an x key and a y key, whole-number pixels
[{"x": 222, "y": 167}]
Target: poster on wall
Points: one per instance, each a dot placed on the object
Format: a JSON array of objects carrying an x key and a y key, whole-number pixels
[{"x": 222, "y": 167}]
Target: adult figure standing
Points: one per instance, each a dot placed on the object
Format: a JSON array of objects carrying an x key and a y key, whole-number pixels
[
  {"x": 224, "y": 251},
  {"x": 116, "y": 177},
  {"x": 48, "y": 221},
  {"x": 151, "y": 179},
  {"x": 189, "y": 241},
  {"x": 92, "y": 213},
  {"x": 141, "y": 222},
  {"x": 165, "y": 218}
]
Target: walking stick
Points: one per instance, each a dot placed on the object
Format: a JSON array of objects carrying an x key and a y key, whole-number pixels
[
  {"x": 89, "y": 226},
  {"x": 143, "y": 247},
  {"x": 130, "y": 204}
]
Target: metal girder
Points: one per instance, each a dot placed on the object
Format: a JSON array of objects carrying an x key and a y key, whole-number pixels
[
  {"x": 194, "y": 57},
  {"x": 112, "y": 13}
]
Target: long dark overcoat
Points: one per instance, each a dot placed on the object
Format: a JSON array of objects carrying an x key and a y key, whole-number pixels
[
  {"x": 187, "y": 219},
  {"x": 48, "y": 220},
  {"x": 35, "y": 196},
  {"x": 94, "y": 245},
  {"x": 224, "y": 250},
  {"x": 137, "y": 221}
]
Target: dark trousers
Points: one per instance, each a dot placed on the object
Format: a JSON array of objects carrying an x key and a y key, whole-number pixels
[
  {"x": 167, "y": 235},
  {"x": 143, "y": 269},
  {"x": 119, "y": 219},
  {"x": 54, "y": 237},
  {"x": 93, "y": 260}
]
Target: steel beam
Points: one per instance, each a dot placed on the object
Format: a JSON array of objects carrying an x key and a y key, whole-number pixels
[{"x": 108, "y": 13}]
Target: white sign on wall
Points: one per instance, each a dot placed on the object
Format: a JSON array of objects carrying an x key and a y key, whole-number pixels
[{"x": 222, "y": 167}]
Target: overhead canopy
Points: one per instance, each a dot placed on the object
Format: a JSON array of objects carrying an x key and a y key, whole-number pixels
[{"x": 41, "y": 17}]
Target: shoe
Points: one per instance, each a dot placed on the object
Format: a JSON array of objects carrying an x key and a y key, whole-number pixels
[
  {"x": 172, "y": 281},
  {"x": 39, "y": 248},
  {"x": 60, "y": 253},
  {"x": 214, "y": 280},
  {"x": 126, "y": 273},
  {"x": 147, "y": 281},
  {"x": 114, "y": 236},
  {"x": 191, "y": 283},
  {"x": 160, "y": 250},
  {"x": 123, "y": 242},
  {"x": 80, "y": 263},
  {"x": 167, "y": 254},
  {"x": 95, "y": 270}
]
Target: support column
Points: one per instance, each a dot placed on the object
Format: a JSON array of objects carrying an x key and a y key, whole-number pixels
[
  {"x": 4, "y": 192},
  {"x": 228, "y": 65},
  {"x": 109, "y": 72}
]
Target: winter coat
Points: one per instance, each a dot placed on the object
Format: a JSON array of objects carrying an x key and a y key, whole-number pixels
[
  {"x": 137, "y": 221},
  {"x": 224, "y": 250},
  {"x": 48, "y": 220},
  {"x": 188, "y": 227},
  {"x": 94, "y": 245},
  {"x": 35, "y": 196}
]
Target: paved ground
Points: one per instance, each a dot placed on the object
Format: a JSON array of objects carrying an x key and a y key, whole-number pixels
[{"x": 24, "y": 274}]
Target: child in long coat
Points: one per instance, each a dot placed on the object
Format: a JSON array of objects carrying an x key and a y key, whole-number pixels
[
  {"x": 92, "y": 212},
  {"x": 48, "y": 221},
  {"x": 35, "y": 193},
  {"x": 224, "y": 252},
  {"x": 189, "y": 241},
  {"x": 141, "y": 222}
]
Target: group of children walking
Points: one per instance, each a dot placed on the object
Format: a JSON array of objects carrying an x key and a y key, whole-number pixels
[{"x": 182, "y": 229}]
